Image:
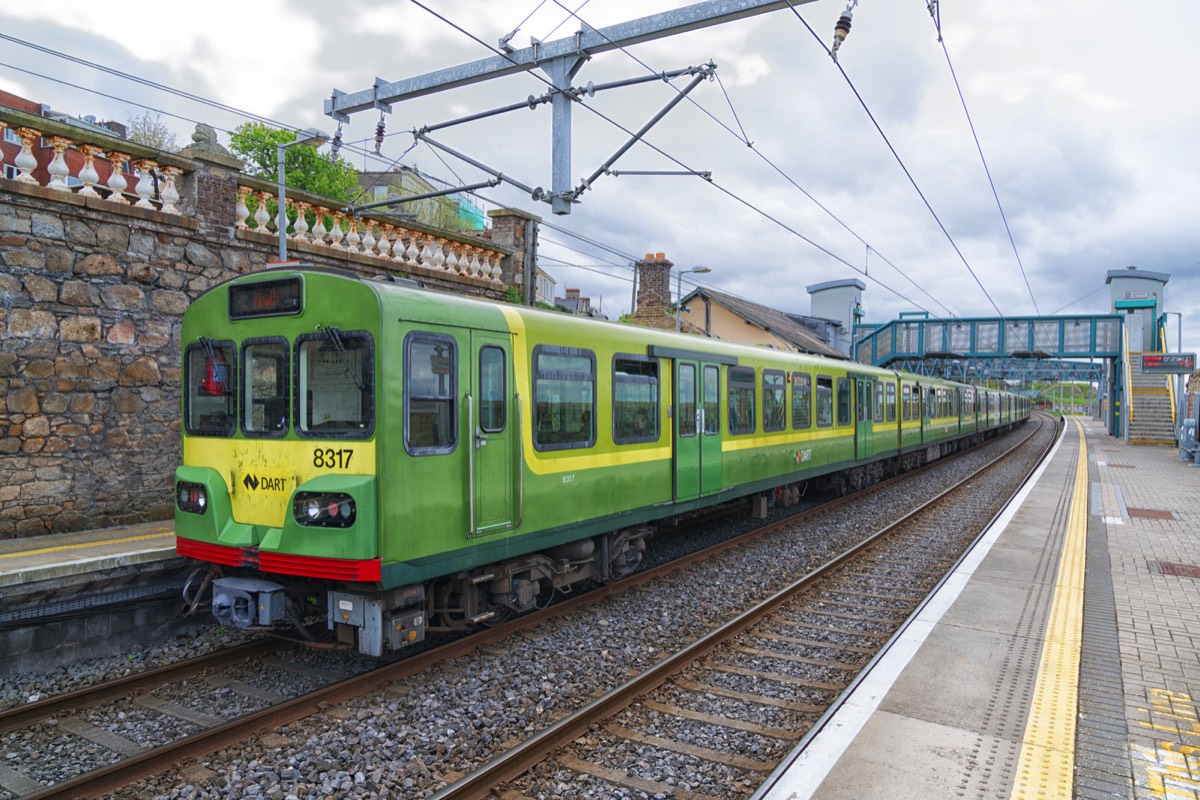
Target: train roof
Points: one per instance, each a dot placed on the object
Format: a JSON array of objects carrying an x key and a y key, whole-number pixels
[{"x": 448, "y": 308}]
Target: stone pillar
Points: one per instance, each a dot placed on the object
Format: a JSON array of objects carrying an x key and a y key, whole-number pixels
[
  {"x": 214, "y": 186},
  {"x": 517, "y": 230},
  {"x": 654, "y": 292}
]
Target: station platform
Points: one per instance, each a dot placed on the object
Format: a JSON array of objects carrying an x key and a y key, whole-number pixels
[
  {"x": 40, "y": 558},
  {"x": 1060, "y": 660},
  {"x": 76, "y": 595}
]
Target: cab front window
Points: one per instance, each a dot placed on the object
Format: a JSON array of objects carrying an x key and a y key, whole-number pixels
[
  {"x": 265, "y": 406},
  {"x": 335, "y": 384},
  {"x": 210, "y": 374}
]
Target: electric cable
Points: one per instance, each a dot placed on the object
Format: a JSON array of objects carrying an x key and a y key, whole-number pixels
[
  {"x": 529, "y": 68},
  {"x": 900, "y": 161},
  {"x": 745, "y": 139},
  {"x": 937, "y": 21}
]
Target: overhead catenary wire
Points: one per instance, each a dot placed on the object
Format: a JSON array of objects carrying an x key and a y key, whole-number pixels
[
  {"x": 935, "y": 13},
  {"x": 744, "y": 139},
  {"x": 900, "y": 161},
  {"x": 367, "y": 154},
  {"x": 530, "y": 69},
  {"x": 350, "y": 146},
  {"x": 266, "y": 120}
]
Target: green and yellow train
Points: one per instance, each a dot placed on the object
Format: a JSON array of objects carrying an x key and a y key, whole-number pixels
[{"x": 403, "y": 461}]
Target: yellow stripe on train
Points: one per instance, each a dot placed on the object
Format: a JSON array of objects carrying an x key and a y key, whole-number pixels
[{"x": 261, "y": 474}]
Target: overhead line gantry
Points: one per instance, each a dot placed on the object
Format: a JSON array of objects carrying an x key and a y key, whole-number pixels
[{"x": 561, "y": 60}]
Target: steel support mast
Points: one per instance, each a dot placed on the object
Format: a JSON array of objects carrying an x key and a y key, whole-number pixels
[{"x": 561, "y": 60}]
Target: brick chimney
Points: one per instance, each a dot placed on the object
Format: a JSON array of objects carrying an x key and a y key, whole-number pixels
[{"x": 654, "y": 292}]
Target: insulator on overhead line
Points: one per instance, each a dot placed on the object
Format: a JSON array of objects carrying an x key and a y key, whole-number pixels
[
  {"x": 841, "y": 30},
  {"x": 379, "y": 129},
  {"x": 336, "y": 145}
]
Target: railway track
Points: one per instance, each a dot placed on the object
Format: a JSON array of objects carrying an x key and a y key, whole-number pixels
[
  {"x": 770, "y": 673},
  {"x": 217, "y": 733}
]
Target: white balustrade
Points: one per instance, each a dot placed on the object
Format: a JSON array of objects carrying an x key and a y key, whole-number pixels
[
  {"x": 89, "y": 163},
  {"x": 169, "y": 194},
  {"x": 26, "y": 161},
  {"x": 58, "y": 168},
  {"x": 380, "y": 240},
  {"x": 300, "y": 226},
  {"x": 241, "y": 211},
  {"x": 145, "y": 184},
  {"x": 117, "y": 183},
  {"x": 262, "y": 216},
  {"x": 319, "y": 232},
  {"x": 368, "y": 240},
  {"x": 88, "y": 174}
]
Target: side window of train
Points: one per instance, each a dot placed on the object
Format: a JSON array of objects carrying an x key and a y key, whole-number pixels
[
  {"x": 824, "y": 401},
  {"x": 712, "y": 400},
  {"x": 878, "y": 401},
  {"x": 843, "y": 401},
  {"x": 635, "y": 399},
  {"x": 210, "y": 382},
  {"x": 906, "y": 402},
  {"x": 889, "y": 407},
  {"x": 335, "y": 384},
  {"x": 265, "y": 392},
  {"x": 801, "y": 400},
  {"x": 564, "y": 397},
  {"x": 774, "y": 397},
  {"x": 493, "y": 392},
  {"x": 430, "y": 393},
  {"x": 741, "y": 400}
]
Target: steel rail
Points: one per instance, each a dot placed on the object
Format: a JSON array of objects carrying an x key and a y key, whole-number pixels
[
  {"x": 122, "y": 773},
  {"x": 841, "y": 699},
  {"x": 519, "y": 759},
  {"x": 23, "y": 715}
]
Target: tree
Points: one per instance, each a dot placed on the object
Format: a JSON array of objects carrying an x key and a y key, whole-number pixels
[
  {"x": 304, "y": 166},
  {"x": 152, "y": 132}
]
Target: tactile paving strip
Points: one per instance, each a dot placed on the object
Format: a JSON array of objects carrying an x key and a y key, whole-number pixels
[{"x": 1045, "y": 768}]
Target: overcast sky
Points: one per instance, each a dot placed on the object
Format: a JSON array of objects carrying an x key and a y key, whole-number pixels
[{"x": 1088, "y": 115}]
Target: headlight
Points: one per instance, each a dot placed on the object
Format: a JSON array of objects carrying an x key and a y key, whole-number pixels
[
  {"x": 324, "y": 509},
  {"x": 312, "y": 508},
  {"x": 191, "y": 497}
]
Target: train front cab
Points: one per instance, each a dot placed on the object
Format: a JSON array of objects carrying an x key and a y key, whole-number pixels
[{"x": 278, "y": 476}]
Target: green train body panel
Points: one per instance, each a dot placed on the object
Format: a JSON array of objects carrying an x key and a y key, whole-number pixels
[{"x": 459, "y": 479}]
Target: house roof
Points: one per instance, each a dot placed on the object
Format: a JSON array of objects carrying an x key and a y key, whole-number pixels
[{"x": 769, "y": 319}]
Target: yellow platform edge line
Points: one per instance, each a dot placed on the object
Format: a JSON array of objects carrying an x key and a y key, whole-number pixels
[
  {"x": 1047, "y": 762},
  {"x": 83, "y": 545}
]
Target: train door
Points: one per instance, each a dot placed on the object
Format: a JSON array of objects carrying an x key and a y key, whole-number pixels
[
  {"x": 919, "y": 400},
  {"x": 863, "y": 438},
  {"x": 686, "y": 430},
  {"x": 710, "y": 429},
  {"x": 493, "y": 444}
]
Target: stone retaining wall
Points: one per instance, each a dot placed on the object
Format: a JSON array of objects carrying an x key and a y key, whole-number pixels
[{"x": 91, "y": 300}]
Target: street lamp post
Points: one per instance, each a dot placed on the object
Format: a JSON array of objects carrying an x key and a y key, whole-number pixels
[
  {"x": 311, "y": 136},
  {"x": 679, "y": 289}
]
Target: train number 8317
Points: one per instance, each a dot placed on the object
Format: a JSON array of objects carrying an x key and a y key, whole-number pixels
[{"x": 332, "y": 459}]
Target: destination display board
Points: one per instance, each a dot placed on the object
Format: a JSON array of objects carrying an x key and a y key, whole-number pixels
[
  {"x": 266, "y": 298},
  {"x": 1169, "y": 363}
]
